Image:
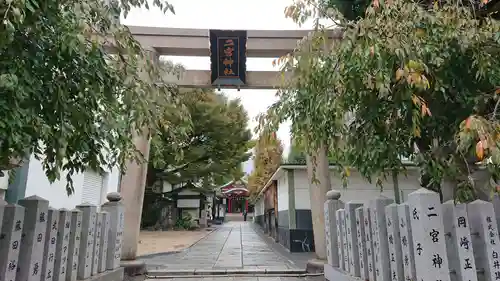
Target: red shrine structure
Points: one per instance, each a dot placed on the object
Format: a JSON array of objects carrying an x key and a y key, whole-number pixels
[{"x": 236, "y": 195}]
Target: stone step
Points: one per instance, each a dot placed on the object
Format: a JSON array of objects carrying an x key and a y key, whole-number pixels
[{"x": 232, "y": 271}]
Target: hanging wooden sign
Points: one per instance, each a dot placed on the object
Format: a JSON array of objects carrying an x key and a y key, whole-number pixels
[{"x": 228, "y": 57}]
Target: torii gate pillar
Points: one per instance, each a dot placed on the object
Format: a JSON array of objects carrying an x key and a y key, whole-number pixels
[{"x": 132, "y": 186}]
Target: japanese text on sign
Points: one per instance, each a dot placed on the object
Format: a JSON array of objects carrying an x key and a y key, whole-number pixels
[{"x": 228, "y": 53}]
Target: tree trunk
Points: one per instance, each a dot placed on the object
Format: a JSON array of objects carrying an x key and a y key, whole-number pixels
[{"x": 319, "y": 184}]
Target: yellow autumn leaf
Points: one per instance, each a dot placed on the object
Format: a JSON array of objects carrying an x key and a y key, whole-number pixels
[
  {"x": 399, "y": 74},
  {"x": 480, "y": 150},
  {"x": 416, "y": 132},
  {"x": 414, "y": 99}
]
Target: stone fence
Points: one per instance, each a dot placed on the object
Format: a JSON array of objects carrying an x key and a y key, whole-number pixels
[
  {"x": 38, "y": 243},
  {"x": 419, "y": 240}
]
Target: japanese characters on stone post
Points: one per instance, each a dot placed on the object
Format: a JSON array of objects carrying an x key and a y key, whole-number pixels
[
  {"x": 425, "y": 240},
  {"x": 407, "y": 250},
  {"x": 41, "y": 243},
  {"x": 485, "y": 240}
]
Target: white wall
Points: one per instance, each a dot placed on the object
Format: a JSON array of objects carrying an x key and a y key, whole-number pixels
[
  {"x": 4, "y": 184},
  {"x": 38, "y": 184},
  {"x": 357, "y": 188},
  {"x": 259, "y": 206},
  {"x": 188, "y": 203},
  {"x": 4, "y": 181},
  {"x": 283, "y": 192}
]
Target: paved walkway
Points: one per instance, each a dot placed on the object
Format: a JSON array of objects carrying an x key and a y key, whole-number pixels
[
  {"x": 233, "y": 245},
  {"x": 318, "y": 278}
]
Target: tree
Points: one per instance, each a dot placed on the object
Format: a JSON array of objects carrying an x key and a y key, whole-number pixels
[
  {"x": 409, "y": 74},
  {"x": 267, "y": 159},
  {"x": 213, "y": 148},
  {"x": 64, "y": 97},
  {"x": 297, "y": 154}
]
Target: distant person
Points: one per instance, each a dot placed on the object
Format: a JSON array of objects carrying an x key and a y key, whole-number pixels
[{"x": 245, "y": 215}]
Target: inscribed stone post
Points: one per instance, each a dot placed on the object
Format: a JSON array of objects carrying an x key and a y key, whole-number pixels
[
  {"x": 32, "y": 240},
  {"x": 116, "y": 212},
  {"x": 104, "y": 242},
  {"x": 62, "y": 264},
  {"x": 97, "y": 244},
  {"x": 360, "y": 234},
  {"x": 10, "y": 232},
  {"x": 393, "y": 240},
  {"x": 203, "y": 219},
  {"x": 328, "y": 233},
  {"x": 74, "y": 245},
  {"x": 87, "y": 240},
  {"x": 406, "y": 235},
  {"x": 2, "y": 208},
  {"x": 370, "y": 257},
  {"x": 340, "y": 238},
  {"x": 331, "y": 206},
  {"x": 485, "y": 240},
  {"x": 352, "y": 242},
  {"x": 379, "y": 237},
  {"x": 458, "y": 242},
  {"x": 345, "y": 249},
  {"x": 431, "y": 261},
  {"x": 496, "y": 206},
  {"x": 50, "y": 245}
]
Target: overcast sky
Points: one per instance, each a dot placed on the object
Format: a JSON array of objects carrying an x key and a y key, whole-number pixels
[{"x": 223, "y": 14}]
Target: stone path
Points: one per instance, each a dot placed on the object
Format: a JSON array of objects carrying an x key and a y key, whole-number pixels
[
  {"x": 317, "y": 278},
  {"x": 234, "y": 245}
]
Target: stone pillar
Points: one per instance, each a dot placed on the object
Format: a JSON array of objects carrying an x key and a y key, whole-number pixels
[
  {"x": 379, "y": 237},
  {"x": 97, "y": 244},
  {"x": 431, "y": 261},
  {"x": 331, "y": 206},
  {"x": 345, "y": 247},
  {"x": 319, "y": 184},
  {"x": 361, "y": 237},
  {"x": 85, "y": 258},
  {"x": 393, "y": 240},
  {"x": 458, "y": 242},
  {"x": 116, "y": 211},
  {"x": 370, "y": 256},
  {"x": 407, "y": 251},
  {"x": 104, "y": 241},
  {"x": 132, "y": 186},
  {"x": 74, "y": 245},
  {"x": 352, "y": 242},
  {"x": 50, "y": 244},
  {"x": 203, "y": 219},
  {"x": 61, "y": 260},
  {"x": 340, "y": 238},
  {"x": 11, "y": 230},
  {"x": 485, "y": 239},
  {"x": 33, "y": 238}
]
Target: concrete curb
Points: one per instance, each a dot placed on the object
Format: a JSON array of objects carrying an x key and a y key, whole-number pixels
[
  {"x": 199, "y": 272},
  {"x": 315, "y": 266}
]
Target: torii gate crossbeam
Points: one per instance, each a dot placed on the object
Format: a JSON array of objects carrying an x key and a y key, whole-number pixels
[{"x": 195, "y": 42}]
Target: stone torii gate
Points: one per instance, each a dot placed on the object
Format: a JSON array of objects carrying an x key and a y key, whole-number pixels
[{"x": 194, "y": 42}]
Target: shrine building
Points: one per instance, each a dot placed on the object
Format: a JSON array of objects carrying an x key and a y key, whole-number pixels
[{"x": 236, "y": 195}]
